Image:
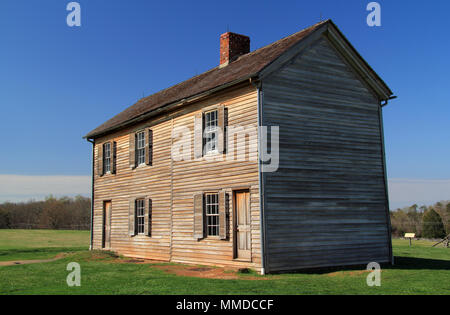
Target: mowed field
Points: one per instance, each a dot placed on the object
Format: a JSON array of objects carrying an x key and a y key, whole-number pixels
[
  {"x": 419, "y": 269},
  {"x": 40, "y": 244}
]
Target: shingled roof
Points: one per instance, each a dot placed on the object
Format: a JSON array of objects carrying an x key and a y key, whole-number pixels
[
  {"x": 244, "y": 67},
  {"x": 247, "y": 66}
]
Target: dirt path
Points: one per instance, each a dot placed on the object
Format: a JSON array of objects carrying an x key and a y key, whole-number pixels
[{"x": 26, "y": 262}]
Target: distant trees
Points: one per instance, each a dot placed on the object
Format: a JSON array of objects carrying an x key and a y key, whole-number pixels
[
  {"x": 428, "y": 222},
  {"x": 52, "y": 213},
  {"x": 432, "y": 225},
  {"x": 4, "y": 219}
]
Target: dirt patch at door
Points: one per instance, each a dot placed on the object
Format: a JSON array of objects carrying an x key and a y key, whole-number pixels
[
  {"x": 199, "y": 271},
  {"x": 207, "y": 272}
]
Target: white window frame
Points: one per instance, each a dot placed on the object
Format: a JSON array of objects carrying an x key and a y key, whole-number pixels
[
  {"x": 211, "y": 131},
  {"x": 212, "y": 222},
  {"x": 140, "y": 148},
  {"x": 107, "y": 158},
  {"x": 140, "y": 216}
]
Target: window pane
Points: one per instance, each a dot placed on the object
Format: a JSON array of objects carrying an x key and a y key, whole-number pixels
[
  {"x": 212, "y": 214},
  {"x": 106, "y": 157},
  {"x": 140, "y": 215},
  {"x": 210, "y": 135},
  {"x": 140, "y": 147}
]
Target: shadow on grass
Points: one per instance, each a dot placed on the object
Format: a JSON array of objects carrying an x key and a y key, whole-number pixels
[
  {"x": 407, "y": 263},
  {"x": 419, "y": 263}
]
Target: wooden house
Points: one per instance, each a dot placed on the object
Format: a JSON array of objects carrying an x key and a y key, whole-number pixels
[{"x": 324, "y": 203}]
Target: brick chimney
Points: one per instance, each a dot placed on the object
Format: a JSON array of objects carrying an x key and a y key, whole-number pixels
[{"x": 233, "y": 45}]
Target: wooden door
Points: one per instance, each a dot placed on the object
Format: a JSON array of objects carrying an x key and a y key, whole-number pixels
[
  {"x": 106, "y": 224},
  {"x": 242, "y": 225}
]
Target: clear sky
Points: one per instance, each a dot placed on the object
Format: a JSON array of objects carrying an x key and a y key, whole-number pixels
[{"x": 57, "y": 83}]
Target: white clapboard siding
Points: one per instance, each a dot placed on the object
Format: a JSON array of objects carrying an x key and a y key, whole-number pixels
[{"x": 171, "y": 185}]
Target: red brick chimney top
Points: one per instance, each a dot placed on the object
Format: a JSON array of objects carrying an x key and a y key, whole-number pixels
[{"x": 233, "y": 45}]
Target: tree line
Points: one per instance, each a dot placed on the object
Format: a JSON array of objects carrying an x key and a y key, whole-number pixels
[
  {"x": 427, "y": 222},
  {"x": 63, "y": 213}
]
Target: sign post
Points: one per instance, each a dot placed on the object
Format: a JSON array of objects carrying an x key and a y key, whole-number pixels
[{"x": 410, "y": 236}]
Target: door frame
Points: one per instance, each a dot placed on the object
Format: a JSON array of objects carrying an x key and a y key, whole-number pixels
[
  {"x": 235, "y": 240},
  {"x": 105, "y": 202}
]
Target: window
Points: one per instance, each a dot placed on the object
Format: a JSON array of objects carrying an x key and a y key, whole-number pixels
[
  {"x": 211, "y": 132},
  {"x": 140, "y": 148},
  {"x": 140, "y": 216},
  {"x": 212, "y": 214},
  {"x": 107, "y": 158}
]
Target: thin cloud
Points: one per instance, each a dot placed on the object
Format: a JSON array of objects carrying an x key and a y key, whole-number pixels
[
  {"x": 406, "y": 192},
  {"x": 20, "y": 188}
]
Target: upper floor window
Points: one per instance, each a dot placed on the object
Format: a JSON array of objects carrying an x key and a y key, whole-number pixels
[
  {"x": 107, "y": 157},
  {"x": 211, "y": 132},
  {"x": 140, "y": 216},
  {"x": 212, "y": 214},
  {"x": 140, "y": 148}
]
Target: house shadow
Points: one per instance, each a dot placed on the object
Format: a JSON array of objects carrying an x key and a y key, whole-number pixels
[
  {"x": 407, "y": 263},
  {"x": 413, "y": 263}
]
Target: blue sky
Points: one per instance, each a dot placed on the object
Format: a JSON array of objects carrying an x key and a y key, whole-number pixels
[{"x": 57, "y": 83}]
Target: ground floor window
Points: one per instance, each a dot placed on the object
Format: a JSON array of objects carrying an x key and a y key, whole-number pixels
[
  {"x": 140, "y": 216},
  {"x": 212, "y": 214}
]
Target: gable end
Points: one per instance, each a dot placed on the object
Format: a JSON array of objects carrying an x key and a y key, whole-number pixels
[{"x": 330, "y": 31}]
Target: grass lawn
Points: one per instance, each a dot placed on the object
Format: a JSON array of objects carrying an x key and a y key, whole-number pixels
[
  {"x": 419, "y": 269},
  {"x": 40, "y": 244}
]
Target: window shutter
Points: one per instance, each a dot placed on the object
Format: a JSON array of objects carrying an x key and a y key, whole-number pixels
[
  {"x": 114, "y": 157},
  {"x": 133, "y": 150},
  {"x": 198, "y": 217},
  {"x": 132, "y": 218},
  {"x": 148, "y": 218},
  {"x": 149, "y": 147},
  {"x": 100, "y": 160},
  {"x": 221, "y": 125},
  {"x": 198, "y": 135},
  {"x": 223, "y": 215}
]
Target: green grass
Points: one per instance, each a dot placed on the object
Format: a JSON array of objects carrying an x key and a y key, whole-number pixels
[
  {"x": 40, "y": 244},
  {"x": 419, "y": 269}
]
